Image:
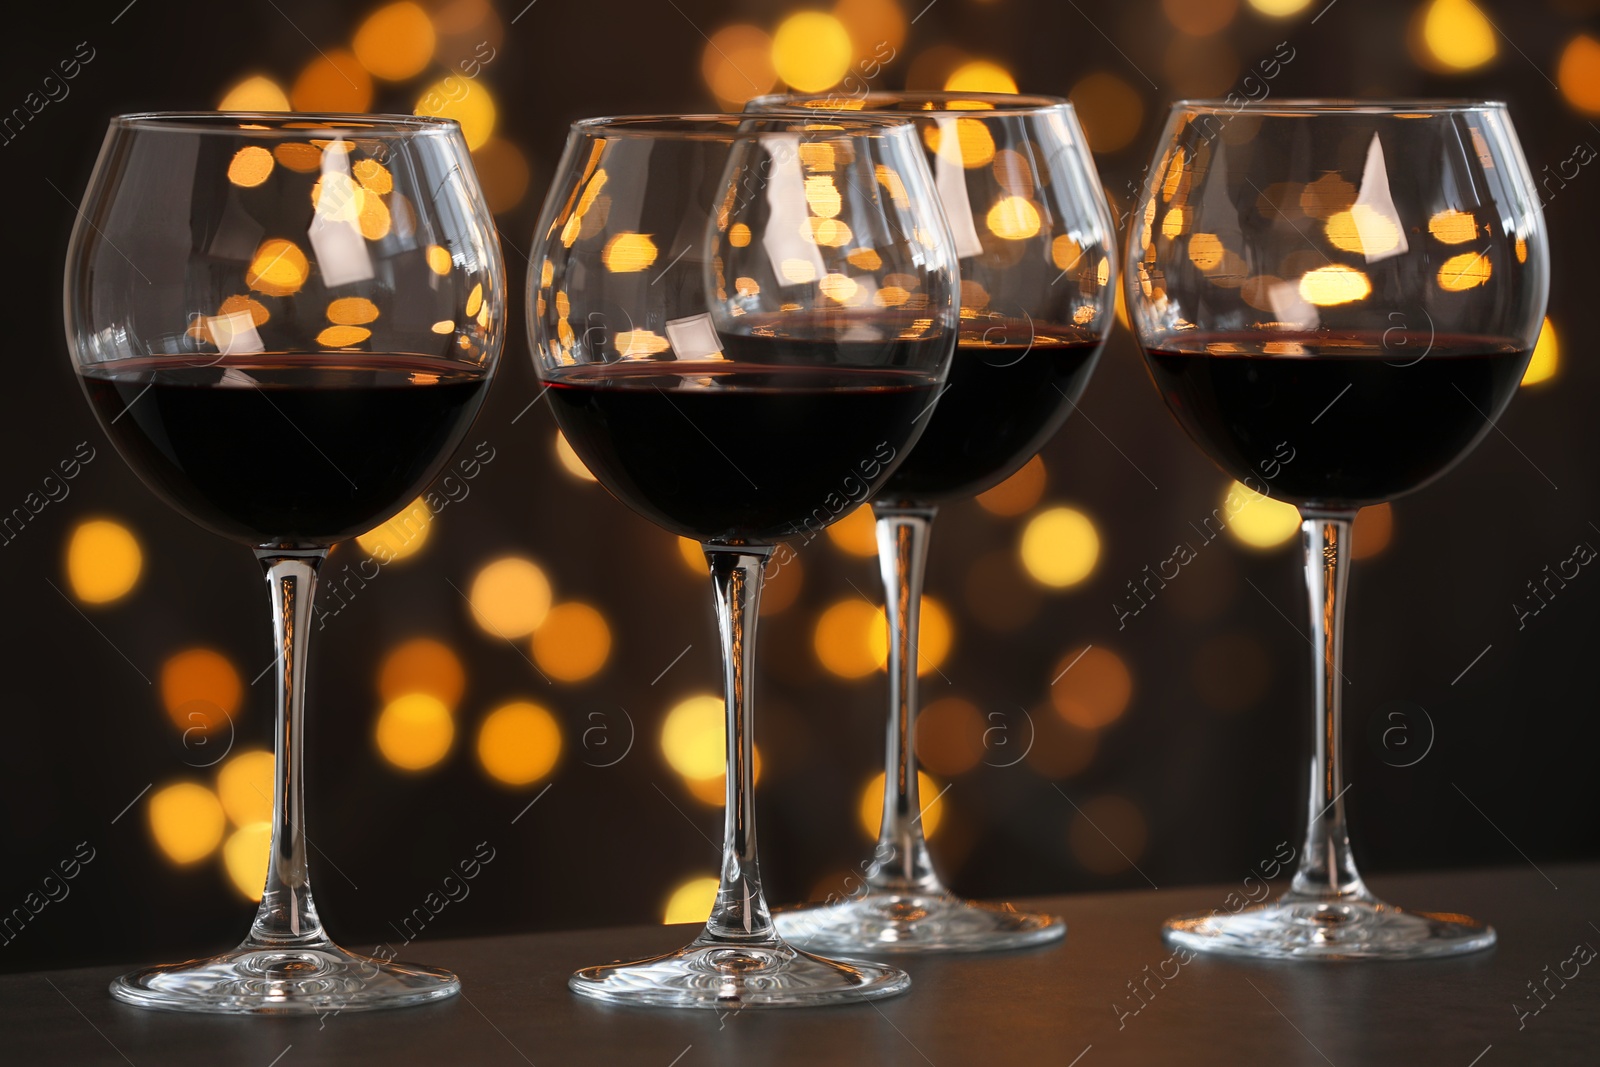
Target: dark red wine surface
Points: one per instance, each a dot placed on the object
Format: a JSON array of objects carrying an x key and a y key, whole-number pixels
[
  {"x": 1336, "y": 420},
  {"x": 287, "y": 449}
]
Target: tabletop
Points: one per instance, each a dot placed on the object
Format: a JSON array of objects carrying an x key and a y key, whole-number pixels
[{"x": 1068, "y": 1005}]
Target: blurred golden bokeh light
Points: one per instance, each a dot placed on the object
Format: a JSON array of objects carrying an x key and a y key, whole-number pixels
[
  {"x": 256, "y": 93},
  {"x": 1060, "y": 547},
  {"x": 395, "y": 42},
  {"x": 1455, "y": 35},
  {"x": 1257, "y": 520},
  {"x": 1199, "y": 18},
  {"x": 1372, "y": 531},
  {"x": 1110, "y": 110},
  {"x": 422, "y": 665},
  {"x": 870, "y": 808},
  {"x": 856, "y": 533},
  {"x": 575, "y": 466},
  {"x": 415, "y": 731},
  {"x": 950, "y": 736},
  {"x": 245, "y": 856},
  {"x": 737, "y": 64},
  {"x": 694, "y": 735},
  {"x": 245, "y": 785},
  {"x": 104, "y": 561},
  {"x": 334, "y": 81},
  {"x": 465, "y": 100},
  {"x": 691, "y": 902},
  {"x": 1578, "y": 73},
  {"x": 503, "y": 173},
  {"x": 510, "y": 597},
  {"x": 519, "y": 743},
  {"x": 935, "y": 635},
  {"x": 811, "y": 50},
  {"x": 980, "y": 76},
  {"x": 200, "y": 688},
  {"x": 1280, "y": 8},
  {"x": 1018, "y": 493},
  {"x": 1092, "y": 687},
  {"x": 572, "y": 643},
  {"x": 187, "y": 821},
  {"x": 843, "y": 638},
  {"x": 1546, "y": 358},
  {"x": 402, "y": 536}
]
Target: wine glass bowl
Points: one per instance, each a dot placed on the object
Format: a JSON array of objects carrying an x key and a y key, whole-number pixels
[
  {"x": 285, "y": 323},
  {"x": 1030, "y": 224},
  {"x": 1336, "y": 299},
  {"x": 742, "y": 323}
]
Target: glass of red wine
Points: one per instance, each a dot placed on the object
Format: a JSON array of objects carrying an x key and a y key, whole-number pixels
[
  {"x": 743, "y": 323},
  {"x": 1336, "y": 300},
  {"x": 1035, "y": 241},
  {"x": 285, "y": 323}
]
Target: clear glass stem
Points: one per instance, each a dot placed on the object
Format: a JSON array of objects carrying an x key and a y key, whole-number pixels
[
  {"x": 1327, "y": 870},
  {"x": 740, "y": 914},
  {"x": 287, "y": 915},
  {"x": 900, "y": 863}
]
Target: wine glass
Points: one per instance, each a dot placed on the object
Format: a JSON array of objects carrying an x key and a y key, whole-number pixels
[
  {"x": 1336, "y": 300},
  {"x": 743, "y": 324},
  {"x": 285, "y": 323},
  {"x": 1035, "y": 242}
]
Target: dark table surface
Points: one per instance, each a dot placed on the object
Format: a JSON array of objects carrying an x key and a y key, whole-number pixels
[{"x": 1057, "y": 1005}]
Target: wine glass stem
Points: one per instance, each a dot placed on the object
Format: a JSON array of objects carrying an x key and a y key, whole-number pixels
[
  {"x": 900, "y": 863},
  {"x": 740, "y": 914},
  {"x": 288, "y": 916},
  {"x": 1327, "y": 869}
]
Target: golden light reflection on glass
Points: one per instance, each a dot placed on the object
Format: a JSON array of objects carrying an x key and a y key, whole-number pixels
[
  {"x": 510, "y": 597},
  {"x": 628, "y": 252},
  {"x": 104, "y": 561},
  {"x": 1018, "y": 493},
  {"x": 1546, "y": 358},
  {"x": 278, "y": 268},
  {"x": 1333, "y": 285},
  {"x": 1467, "y": 270},
  {"x": 870, "y": 808},
  {"x": 343, "y": 336},
  {"x": 1256, "y": 520},
  {"x": 973, "y": 146},
  {"x": 475, "y": 300},
  {"x": 692, "y": 901},
  {"x": 402, "y": 536},
  {"x": 250, "y": 166},
  {"x": 1059, "y": 547},
  {"x": 438, "y": 260},
  {"x": 1013, "y": 218},
  {"x": 415, "y": 731},
  {"x": 187, "y": 821},
  {"x": 1362, "y": 230},
  {"x": 244, "y": 786},
  {"x": 811, "y": 50},
  {"x": 519, "y": 743},
  {"x": 396, "y": 41},
  {"x": 256, "y": 93},
  {"x": 1453, "y": 227},
  {"x": 352, "y": 311},
  {"x": 935, "y": 636},
  {"x": 422, "y": 665}
]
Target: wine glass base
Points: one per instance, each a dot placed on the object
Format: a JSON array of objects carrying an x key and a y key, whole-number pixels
[
  {"x": 727, "y": 977},
  {"x": 883, "y": 922},
  {"x": 315, "y": 979},
  {"x": 1329, "y": 930}
]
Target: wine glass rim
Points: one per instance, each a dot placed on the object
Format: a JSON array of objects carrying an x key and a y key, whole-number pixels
[
  {"x": 296, "y": 124},
  {"x": 1399, "y": 106},
  {"x": 1005, "y": 103},
  {"x": 718, "y": 126}
]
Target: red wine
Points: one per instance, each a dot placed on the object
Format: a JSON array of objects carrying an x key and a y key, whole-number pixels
[
  {"x": 745, "y": 451},
  {"x": 287, "y": 449},
  {"x": 1336, "y": 419},
  {"x": 1010, "y": 388}
]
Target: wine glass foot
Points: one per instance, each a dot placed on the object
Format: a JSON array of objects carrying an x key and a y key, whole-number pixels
[
  {"x": 1329, "y": 930},
  {"x": 318, "y": 979},
  {"x": 883, "y": 922},
  {"x": 728, "y": 977}
]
